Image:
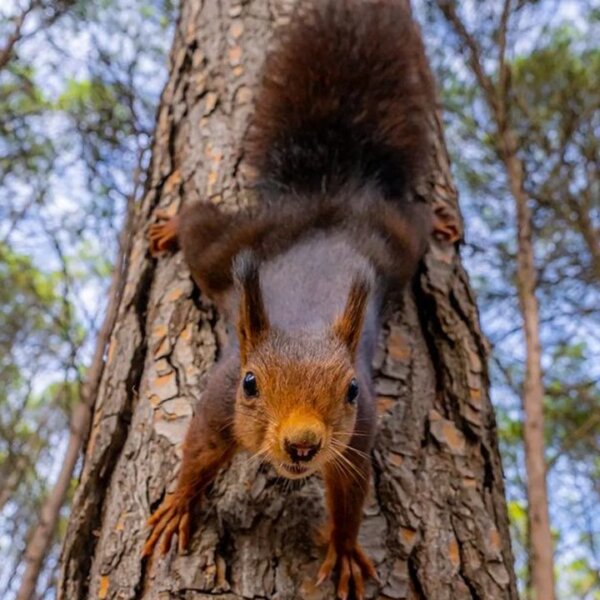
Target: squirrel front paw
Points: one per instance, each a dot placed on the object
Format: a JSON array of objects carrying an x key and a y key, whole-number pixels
[
  {"x": 162, "y": 235},
  {"x": 352, "y": 565},
  {"x": 172, "y": 516}
]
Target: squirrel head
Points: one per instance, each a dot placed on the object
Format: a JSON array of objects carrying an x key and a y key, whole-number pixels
[{"x": 296, "y": 403}]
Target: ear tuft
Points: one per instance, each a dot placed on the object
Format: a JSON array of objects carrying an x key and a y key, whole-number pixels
[
  {"x": 253, "y": 323},
  {"x": 245, "y": 267},
  {"x": 349, "y": 326}
]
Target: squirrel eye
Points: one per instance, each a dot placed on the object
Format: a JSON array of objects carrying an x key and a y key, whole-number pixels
[
  {"x": 249, "y": 385},
  {"x": 352, "y": 392}
]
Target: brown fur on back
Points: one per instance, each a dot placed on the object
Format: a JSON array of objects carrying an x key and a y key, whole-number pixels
[
  {"x": 344, "y": 95},
  {"x": 392, "y": 239}
]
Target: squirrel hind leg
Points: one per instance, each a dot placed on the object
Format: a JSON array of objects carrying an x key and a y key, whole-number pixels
[{"x": 163, "y": 236}]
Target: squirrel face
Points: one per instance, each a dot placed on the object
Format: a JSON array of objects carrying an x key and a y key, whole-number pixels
[
  {"x": 297, "y": 401},
  {"x": 298, "y": 393}
]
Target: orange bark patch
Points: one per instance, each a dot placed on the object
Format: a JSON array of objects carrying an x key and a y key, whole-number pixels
[
  {"x": 385, "y": 404},
  {"x": 454, "y": 438},
  {"x": 475, "y": 396},
  {"x": 162, "y": 348},
  {"x": 121, "y": 522},
  {"x": 173, "y": 181},
  {"x": 160, "y": 330},
  {"x": 186, "y": 334},
  {"x": 395, "y": 459},
  {"x": 176, "y": 408},
  {"x": 236, "y": 29},
  {"x": 408, "y": 535},
  {"x": 454, "y": 553},
  {"x": 174, "y": 295},
  {"x": 494, "y": 539},
  {"x": 243, "y": 95},
  {"x": 103, "y": 587},
  {"x": 210, "y": 102},
  {"x": 398, "y": 346},
  {"x": 164, "y": 379},
  {"x": 235, "y": 56},
  {"x": 446, "y": 433},
  {"x": 111, "y": 350},
  {"x": 154, "y": 400},
  {"x": 212, "y": 178}
]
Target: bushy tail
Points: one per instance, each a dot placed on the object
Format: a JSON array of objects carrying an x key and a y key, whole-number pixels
[{"x": 344, "y": 97}]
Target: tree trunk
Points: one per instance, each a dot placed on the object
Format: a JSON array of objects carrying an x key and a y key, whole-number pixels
[
  {"x": 496, "y": 94},
  {"x": 436, "y": 523},
  {"x": 541, "y": 546},
  {"x": 43, "y": 533},
  {"x": 39, "y": 542}
]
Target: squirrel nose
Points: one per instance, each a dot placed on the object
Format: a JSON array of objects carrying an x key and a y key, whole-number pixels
[{"x": 301, "y": 452}]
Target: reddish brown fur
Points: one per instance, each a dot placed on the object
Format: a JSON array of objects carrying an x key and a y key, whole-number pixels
[
  {"x": 349, "y": 326},
  {"x": 344, "y": 93},
  {"x": 334, "y": 236}
]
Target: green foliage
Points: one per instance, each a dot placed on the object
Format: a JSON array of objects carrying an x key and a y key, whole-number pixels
[
  {"x": 77, "y": 106},
  {"x": 23, "y": 147},
  {"x": 24, "y": 286},
  {"x": 553, "y": 95}
]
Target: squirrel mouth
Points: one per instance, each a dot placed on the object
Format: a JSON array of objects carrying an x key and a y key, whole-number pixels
[{"x": 295, "y": 469}]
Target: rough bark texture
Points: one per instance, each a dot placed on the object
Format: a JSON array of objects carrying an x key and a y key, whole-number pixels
[{"x": 436, "y": 523}]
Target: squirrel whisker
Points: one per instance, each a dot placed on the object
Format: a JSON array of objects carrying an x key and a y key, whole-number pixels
[
  {"x": 344, "y": 447},
  {"x": 351, "y": 468}
]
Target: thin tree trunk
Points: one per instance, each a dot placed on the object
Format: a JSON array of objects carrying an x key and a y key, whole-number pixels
[
  {"x": 496, "y": 96},
  {"x": 541, "y": 547},
  {"x": 6, "y": 51},
  {"x": 15, "y": 476},
  {"x": 39, "y": 542},
  {"x": 41, "y": 539},
  {"x": 436, "y": 524},
  {"x": 583, "y": 209}
]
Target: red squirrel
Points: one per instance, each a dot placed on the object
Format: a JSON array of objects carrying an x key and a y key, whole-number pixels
[{"x": 338, "y": 139}]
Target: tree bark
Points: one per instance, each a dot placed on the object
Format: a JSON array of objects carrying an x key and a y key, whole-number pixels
[
  {"x": 541, "y": 546},
  {"x": 435, "y": 524},
  {"x": 541, "y": 558}
]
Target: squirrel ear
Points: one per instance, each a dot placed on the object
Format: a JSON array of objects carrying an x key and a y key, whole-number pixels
[
  {"x": 349, "y": 326},
  {"x": 253, "y": 323}
]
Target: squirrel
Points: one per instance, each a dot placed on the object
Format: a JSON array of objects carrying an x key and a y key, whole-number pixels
[{"x": 338, "y": 140}]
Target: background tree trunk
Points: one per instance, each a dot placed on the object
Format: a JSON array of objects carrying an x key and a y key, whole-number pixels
[
  {"x": 436, "y": 522},
  {"x": 542, "y": 550},
  {"x": 44, "y": 530},
  {"x": 496, "y": 95}
]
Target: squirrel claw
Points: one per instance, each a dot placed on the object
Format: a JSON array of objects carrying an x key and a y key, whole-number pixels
[
  {"x": 446, "y": 224},
  {"x": 171, "y": 517},
  {"x": 353, "y": 566},
  {"x": 163, "y": 234}
]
